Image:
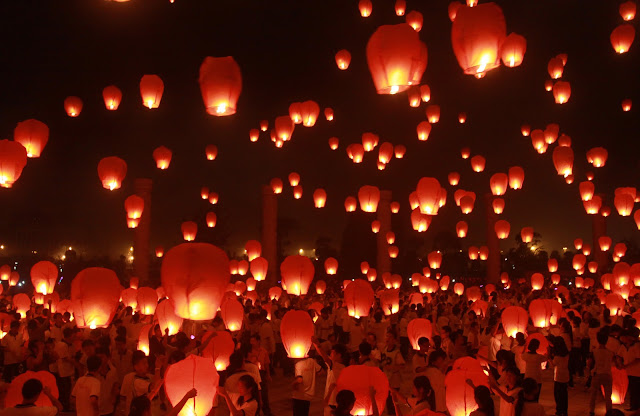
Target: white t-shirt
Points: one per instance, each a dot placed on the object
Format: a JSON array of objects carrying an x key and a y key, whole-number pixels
[
  {"x": 65, "y": 368},
  {"x": 307, "y": 369},
  {"x": 106, "y": 402},
  {"x": 134, "y": 386},
  {"x": 86, "y": 387},
  {"x": 506, "y": 408},
  {"x": 29, "y": 411},
  {"x": 249, "y": 408},
  {"x": 533, "y": 366},
  {"x": 436, "y": 378},
  {"x": 332, "y": 377}
]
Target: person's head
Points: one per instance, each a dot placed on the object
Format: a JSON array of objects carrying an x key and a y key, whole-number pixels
[
  {"x": 121, "y": 343},
  {"x": 140, "y": 406},
  {"x": 372, "y": 339},
  {"x": 255, "y": 340},
  {"x": 423, "y": 344},
  {"x": 511, "y": 373},
  {"x": 630, "y": 336},
  {"x": 140, "y": 362},
  {"x": 534, "y": 344},
  {"x": 93, "y": 363},
  {"x": 88, "y": 347},
  {"x": 602, "y": 338},
  {"x": 31, "y": 390},
  {"x": 437, "y": 358},
  {"x": 482, "y": 395},
  {"x": 520, "y": 339},
  {"x": 345, "y": 400},
  {"x": 529, "y": 388},
  {"x": 35, "y": 346},
  {"x": 67, "y": 333},
  {"x": 423, "y": 391},
  {"x": 391, "y": 339},
  {"x": 247, "y": 387},
  {"x": 14, "y": 327},
  {"x": 560, "y": 347},
  {"x": 339, "y": 354},
  {"x": 504, "y": 358},
  {"x": 365, "y": 349}
]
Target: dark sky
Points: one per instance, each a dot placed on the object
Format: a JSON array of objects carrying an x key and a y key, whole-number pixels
[{"x": 285, "y": 49}]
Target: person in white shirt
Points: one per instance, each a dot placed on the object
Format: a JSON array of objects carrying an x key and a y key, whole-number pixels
[
  {"x": 304, "y": 385},
  {"x": 13, "y": 355},
  {"x": 632, "y": 366},
  {"x": 31, "y": 390},
  {"x": 602, "y": 380},
  {"x": 66, "y": 368},
  {"x": 86, "y": 392},
  {"x": 561, "y": 376},
  {"x": 335, "y": 364},
  {"x": 247, "y": 401}
]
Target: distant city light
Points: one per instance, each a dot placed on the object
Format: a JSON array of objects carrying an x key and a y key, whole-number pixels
[{"x": 1, "y": 246}]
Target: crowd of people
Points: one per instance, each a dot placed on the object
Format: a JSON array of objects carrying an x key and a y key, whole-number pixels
[{"x": 101, "y": 372}]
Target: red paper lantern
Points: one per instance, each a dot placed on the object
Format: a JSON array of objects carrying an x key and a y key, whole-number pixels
[
  {"x": 220, "y": 84},
  {"x": 111, "y": 171},
  {"x": 296, "y": 273},
  {"x": 112, "y": 97},
  {"x": 33, "y": 135},
  {"x": 151, "y": 89},
  {"x": 296, "y": 331},
  {"x": 359, "y": 379},
  {"x": 95, "y": 294},
  {"x": 193, "y": 372},
  {"x": 359, "y": 298},
  {"x": 219, "y": 349}
]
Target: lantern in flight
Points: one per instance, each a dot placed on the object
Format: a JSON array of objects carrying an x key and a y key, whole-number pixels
[
  {"x": 396, "y": 57},
  {"x": 561, "y": 91},
  {"x": 33, "y": 135},
  {"x": 343, "y": 59},
  {"x": 13, "y": 158},
  {"x": 296, "y": 273},
  {"x": 151, "y": 89},
  {"x": 433, "y": 113},
  {"x": 73, "y": 106},
  {"x": 369, "y": 196},
  {"x": 622, "y": 37},
  {"x": 95, "y": 294},
  {"x": 414, "y": 19},
  {"x": 359, "y": 298},
  {"x": 112, "y": 97},
  {"x": 162, "y": 156},
  {"x": 232, "y": 313},
  {"x": 418, "y": 328},
  {"x": 563, "y": 160},
  {"x": 296, "y": 331},
  {"x": 220, "y": 84},
  {"x": 365, "y": 7},
  {"x": 112, "y": 171},
  {"x": 514, "y": 320},
  {"x": 44, "y": 276},
  {"x": 627, "y": 10},
  {"x": 211, "y": 151},
  {"x": 513, "y": 49}
]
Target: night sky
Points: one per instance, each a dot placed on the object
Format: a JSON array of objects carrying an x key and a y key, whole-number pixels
[{"x": 285, "y": 49}]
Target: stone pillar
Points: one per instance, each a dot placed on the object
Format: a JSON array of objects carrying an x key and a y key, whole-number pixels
[
  {"x": 383, "y": 261},
  {"x": 269, "y": 233},
  {"x": 142, "y": 188},
  {"x": 493, "y": 243},
  {"x": 599, "y": 229}
]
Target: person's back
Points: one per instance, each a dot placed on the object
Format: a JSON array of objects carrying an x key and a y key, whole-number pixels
[{"x": 87, "y": 389}]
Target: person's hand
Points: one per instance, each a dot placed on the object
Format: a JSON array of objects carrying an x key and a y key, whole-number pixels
[
  {"x": 470, "y": 382},
  {"x": 191, "y": 393},
  {"x": 222, "y": 392}
]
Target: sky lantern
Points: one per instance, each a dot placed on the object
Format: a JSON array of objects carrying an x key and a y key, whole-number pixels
[
  {"x": 295, "y": 112},
  {"x": 526, "y": 234},
  {"x": 541, "y": 312},
  {"x": 375, "y": 226},
  {"x": 538, "y": 141},
  {"x": 343, "y": 59},
  {"x": 211, "y": 219},
  {"x": 458, "y": 288},
  {"x": 537, "y": 281},
  {"x": 418, "y": 328},
  {"x": 195, "y": 276},
  {"x": 129, "y": 298},
  {"x": 390, "y": 301},
  {"x": 13, "y": 394},
  {"x": 563, "y": 160},
  {"x": 413, "y": 94},
  {"x": 419, "y": 221},
  {"x": 592, "y": 266},
  {"x": 296, "y": 273},
  {"x": 259, "y": 267},
  {"x": 514, "y": 320},
  {"x": 399, "y": 151},
  {"x": 369, "y": 141},
  {"x": 33, "y": 135},
  {"x": 390, "y": 237},
  {"x": 162, "y": 156},
  {"x": 13, "y": 158},
  {"x": 243, "y": 268},
  {"x": 95, "y": 294},
  {"x": 551, "y": 133},
  {"x": 112, "y": 97},
  {"x": 297, "y": 191},
  {"x": 459, "y": 394},
  {"x": 321, "y": 287},
  {"x": 194, "y": 372},
  {"x": 597, "y": 156},
  {"x": 414, "y": 19},
  {"x": 350, "y": 204},
  {"x": 232, "y": 313},
  {"x": 393, "y": 251},
  {"x": 21, "y": 303},
  {"x": 512, "y": 50},
  {"x": 254, "y": 135},
  {"x": 621, "y": 273},
  {"x": 499, "y": 183},
  {"x": 276, "y": 185},
  {"x": 622, "y": 37},
  {"x": 433, "y": 113},
  {"x": 151, "y": 89},
  {"x": 331, "y": 266},
  {"x": 483, "y": 252},
  {"x": 578, "y": 262},
  {"x": 586, "y": 249},
  {"x": 369, "y": 196},
  {"x": 365, "y": 7},
  {"x": 615, "y": 303},
  {"x": 73, "y": 106},
  {"x": 284, "y": 127},
  {"x": 477, "y": 34},
  {"x": 219, "y": 349},
  {"x": 385, "y": 153},
  {"x": 561, "y": 91},
  {"x": 147, "y": 299},
  {"x": 525, "y": 129},
  {"x": 423, "y": 130},
  {"x": 400, "y": 7},
  {"x": 465, "y": 153},
  {"x": 159, "y": 251},
  {"x": 319, "y": 198},
  {"x": 604, "y": 242},
  {"x": 626, "y": 104},
  {"x": 461, "y": 229},
  {"x": 454, "y": 178},
  {"x": 552, "y": 265},
  {"x": 355, "y": 151},
  {"x": 498, "y": 205},
  {"x": 593, "y": 205},
  {"x": 334, "y": 142},
  {"x": 624, "y": 204},
  {"x": 296, "y": 331},
  {"x": 275, "y": 293},
  {"x": 548, "y": 85},
  {"x": 555, "y": 67},
  {"x": 587, "y": 190},
  {"x": 328, "y": 114},
  {"x": 111, "y": 171},
  {"x": 627, "y": 10},
  {"x": 220, "y": 84},
  {"x": 516, "y": 177},
  {"x": 395, "y": 207},
  {"x": 425, "y": 93},
  {"x": 563, "y": 141},
  {"x": 619, "y": 250},
  {"x": 359, "y": 298},
  {"x": 478, "y": 163},
  {"x": 453, "y": 8},
  {"x": 435, "y": 259},
  {"x": 44, "y": 276},
  {"x": 360, "y": 379},
  {"x": 211, "y": 151},
  {"x": 396, "y": 57},
  {"x": 134, "y": 206},
  {"x": 309, "y": 111},
  {"x": 429, "y": 193},
  {"x": 294, "y": 178},
  {"x": 189, "y": 230},
  {"x": 253, "y": 249},
  {"x": 462, "y": 117}
]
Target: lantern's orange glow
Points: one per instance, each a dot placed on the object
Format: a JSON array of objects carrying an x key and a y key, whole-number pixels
[
  {"x": 359, "y": 298},
  {"x": 513, "y": 49},
  {"x": 220, "y": 85},
  {"x": 112, "y": 171},
  {"x": 73, "y": 106},
  {"x": 112, "y": 97},
  {"x": 343, "y": 59},
  {"x": 597, "y": 156},
  {"x": 44, "y": 275},
  {"x": 622, "y": 37},
  {"x": 211, "y": 152},
  {"x": 627, "y": 11},
  {"x": 95, "y": 294},
  {"x": 151, "y": 89},
  {"x": 33, "y": 135},
  {"x": 499, "y": 183},
  {"x": 296, "y": 331},
  {"x": 626, "y": 104},
  {"x": 365, "y": 7},
  {"x": 423, "y": 129},
  {"x": 369, "y": 197},
  {"x": 13, "y": 158},
  {"x": 193, "y": 372},
  {"x": 433, "y": 113},
  {"x": 162, "y": 156},
  {"x": 415, "y": 19},
  {"x": 478, "y": 163}
]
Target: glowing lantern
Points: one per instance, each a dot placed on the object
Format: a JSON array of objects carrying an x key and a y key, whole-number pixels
[
  {"x": 415, "y": 19},
  {"x": 365, "y": 7},
  {"x": 355, "y": 152},
  {"x": 321, "y": 287},
  {"x": 391, "y": 237},
  {"x": 593, "y": 205},
  {"x": 33, "y": 135},
  {"x": 369, "y": 141},
  {"x": 297, "y": 191},
  {"x": 454, "y": 178},
  {"x": 393, "y": 251},
  {"x": 624, "y": 204},
  {"x": 253, "y": 249},
  {"x": 478, "y": 163},
  {"x": 419, "y": 221},
  {"x": 395, "y": 207},
  {"x": 360, "y": 379},
  {"x": 459, "y": 395},
  {"x": 514, "y": 320},
  {"x": 473, "y": 253},
  {"x": 146, "y": 300},
  {"x": 626, "y": 105},
  {"x": 259, "y": 267},
  {"x": 423, "y": 130},
  {"x": 586, "y": 249},
  {"x": 276, "y": 185},
  {"x": 151, "y": 89},
  {"x": 284, "y": 127},
  {"x": 112, "y": 97},
  {"x": 452, "y": 9},
  {"x": 526, "y": 234},
  {"x": 254, "y": 134},
  {"x": 359, "y": 298},
  {"x": 219, "y": 348},
  {"x": 297, "y": 274},
  {"x": 461, "y": 229},
  {"x": 243, "y": 268},
  {"x": 189, "y": 230},
  {"x": 296, "y": 331},
  {"x": 13, "y": 394},
  {"x": 516, "y": 177},
  {"x": 193, "y": 372},
  {"x": 385, "y": 153},
  {"x": 328, "y": 114},
  {"x": 462, "y": 118},
  {"x": 483, "y": 252},
  {"x": 21, "y": 303},
  {"x": 369, "y": 196},
  {"x": 111, "y": 171},
  {"x": 622, "y": 37},
  {"x": 211, "y": 151},
  {"x": 211, "y": 219},
  {"x": 465, "y": 152},
  {"x": 433, "y": 113},
  {"x": 477, "y": 34},
  {"x": 543, "y": 312},
  {"x": 400, "y": 7},
  {"x": 435, "y": 259},
  {"x": 563, "y": 160},
  {"x": 458, "y": 288},
  {"x": 513, "y": 49},
  {"x": 396, "y": 57},
  {"x": 429, "y": 193},
  {"x": 418, "y": 328},
  {"x": 73, "y": 106},
  {"x": 498, "y": 183},
  {"x": 350, "y": 204},
  {"x": 537, "y": 281},
  {"x": 95, "y": 294},
  {"x": 621, "y": 274},
  {"x": 44, "y": 275},
  {"x": 548, "y": 85},
  {"x": 587, "y": 189},
  {"x": 615, "y": 303},
  {"x": 334, "y": 142},
  {"x": 502, "y": 229},
  {"x": 220, "y": 85},
  {"x": 375, "y": 226},
  {"x": 232, "y": 313},
  {"x": 597, "y": 156},
  {"x": 309, "y": 111},
  {"x": 555, "y": 67},
  {"x": 628, "y": 12},
  {"x": 399, "y": 151},
  {"x": 561, "y": 92},
  {"x": 619, "y": 250},
  {"x": 134, "y": 205},
  {"x": 605, "y": 243},
  {"x": 129, "y": 298},
  {"x": 331, "y": 266},
  {"x": 13, "y": 158}
]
